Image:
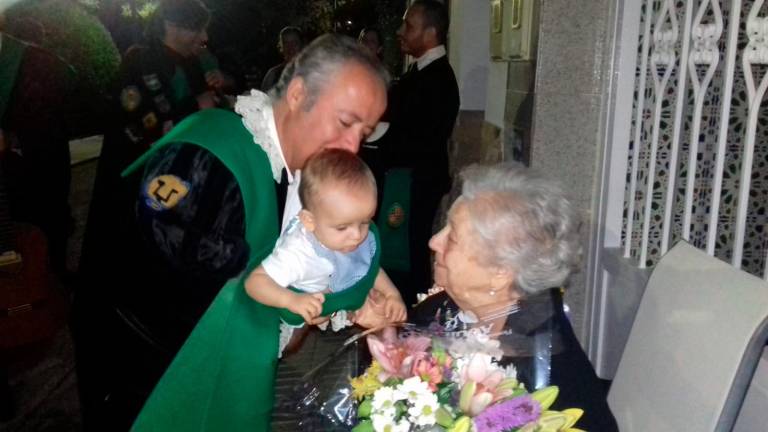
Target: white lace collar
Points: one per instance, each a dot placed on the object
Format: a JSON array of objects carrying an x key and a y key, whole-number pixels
[{"x": 258, "y": 118}]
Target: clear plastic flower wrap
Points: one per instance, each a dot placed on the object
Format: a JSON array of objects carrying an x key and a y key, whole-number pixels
[{"x": 453, "y": 372}]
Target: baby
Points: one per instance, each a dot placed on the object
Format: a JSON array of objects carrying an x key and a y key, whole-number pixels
[{"x": 326, "y": 247}]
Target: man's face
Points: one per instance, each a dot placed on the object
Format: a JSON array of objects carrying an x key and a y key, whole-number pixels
[
  {"x": 412, "y": 34},
  {"x": 188, "y": 42},
  {"x": 370, "y": 41},
  {"x": 289, "y": 47},
  {"x": 345, "y": 112}
]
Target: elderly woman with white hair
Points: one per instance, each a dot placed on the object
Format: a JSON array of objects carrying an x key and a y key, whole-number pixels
[{"x": 509, "y": 245}]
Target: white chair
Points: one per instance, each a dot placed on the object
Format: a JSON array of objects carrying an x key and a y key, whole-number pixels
[{"x": 694, "y": 346}]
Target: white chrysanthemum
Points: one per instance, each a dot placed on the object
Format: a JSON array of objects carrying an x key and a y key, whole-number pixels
[
  {"x": 382, "y": 423},
  {"x": 402, "y": 426},
  {"x": 413, "y": 387},
  {"x": 384, "y": 399},
  {"x": 422, "y": 411}
]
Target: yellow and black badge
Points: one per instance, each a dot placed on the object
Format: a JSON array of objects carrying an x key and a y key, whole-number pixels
[
  {"x": 395, "y": 215},
  {"x": 130, "y": 98},
  {"x": 149, "y": 121},
  {"x": 164, "y": 192}
]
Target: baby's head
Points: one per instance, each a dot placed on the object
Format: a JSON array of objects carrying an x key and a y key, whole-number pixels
[{"x": 338, "y": 196}]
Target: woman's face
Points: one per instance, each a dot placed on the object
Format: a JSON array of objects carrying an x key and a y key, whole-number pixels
[{"x": 457, "y": 268}]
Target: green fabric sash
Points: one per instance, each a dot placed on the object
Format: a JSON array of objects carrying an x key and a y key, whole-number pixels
[
  {"x": 394, "y": 230},
  {"x": 223, "y": 376},
  {"x": 179, "y": 81},
  {"x": 11, "y": 54}
]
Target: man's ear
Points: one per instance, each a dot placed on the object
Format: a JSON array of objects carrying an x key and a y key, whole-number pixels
[
  {"x": 307, "y": 219},
  {"x": 430, "y": 35},
  {"x": 296, "y": 93}
]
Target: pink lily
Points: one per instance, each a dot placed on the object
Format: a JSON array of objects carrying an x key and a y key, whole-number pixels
[
  {"x": 397, "y": 356},
  {"x": 482, "y": 383}
]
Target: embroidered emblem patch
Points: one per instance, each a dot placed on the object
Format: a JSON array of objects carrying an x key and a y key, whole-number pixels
[
  {"x": 130, "y": 98},
  {"x": 149, "y": 121},
  {"x": 152, "y": 82},
  {"x": 164, "y": 192},
  {"x": 395, "y": 215}
]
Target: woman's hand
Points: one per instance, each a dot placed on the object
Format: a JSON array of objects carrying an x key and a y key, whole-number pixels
[
  {"x": 374, "y": 311},
  {"x": 394, "y": 308}
]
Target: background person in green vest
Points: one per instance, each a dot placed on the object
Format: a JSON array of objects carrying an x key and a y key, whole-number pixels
[
  {"x": 171, "y": 76},
  {"x": 206, "y": 207}
]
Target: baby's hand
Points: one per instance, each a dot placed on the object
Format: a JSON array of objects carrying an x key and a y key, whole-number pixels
[
  {"x": 309, "y": 306},
  {"x": 394, "y": 308}
]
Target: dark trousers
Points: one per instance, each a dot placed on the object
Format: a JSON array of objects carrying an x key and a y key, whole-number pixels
[{"x": 425, "y": 200}]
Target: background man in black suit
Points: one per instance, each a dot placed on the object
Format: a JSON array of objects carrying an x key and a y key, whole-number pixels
[
  {"x": 289, "y": 44},
  {"x": 422, "y": 110}
]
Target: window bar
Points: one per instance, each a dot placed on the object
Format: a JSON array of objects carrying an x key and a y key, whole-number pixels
[
  {"x": 734, "y": 20},
  {"x": 678, "y": 120},
  {"x": 664, "y": 58},
  {"x": 705, "y": 52},
  {"x": 642, "y": 81},
  {"x": 765, "y": 269},
  {"x": 755, "y": 53}
]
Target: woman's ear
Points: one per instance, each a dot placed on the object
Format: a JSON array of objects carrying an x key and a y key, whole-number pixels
[
  {"x": 296, "y": 93},
  {"x": 502, "y": 279},
  {"x": 307, "y": 219}
]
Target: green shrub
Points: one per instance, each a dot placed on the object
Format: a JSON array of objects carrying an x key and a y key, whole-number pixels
[{"x": 77, "y": 36}]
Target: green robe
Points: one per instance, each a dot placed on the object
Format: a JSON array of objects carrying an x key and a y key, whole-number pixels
[{"x": 223, "y": 376}]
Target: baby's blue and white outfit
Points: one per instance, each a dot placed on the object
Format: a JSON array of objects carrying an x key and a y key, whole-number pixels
[{"x": 301, "y": 261}]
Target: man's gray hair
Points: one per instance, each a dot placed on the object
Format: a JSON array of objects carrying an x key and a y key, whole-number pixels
[
  {"x": 523, "y": 222},
  {"x": 320, "y": 61}
]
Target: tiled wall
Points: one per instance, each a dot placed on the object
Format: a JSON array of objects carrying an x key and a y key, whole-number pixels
[{"x": 575, "y": 42}]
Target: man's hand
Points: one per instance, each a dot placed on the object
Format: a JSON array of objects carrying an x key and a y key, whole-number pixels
[
  {"x": 309, "y": 306},
  {"x": 215, "y": 79},
  {"x": 207, "y": 100}
]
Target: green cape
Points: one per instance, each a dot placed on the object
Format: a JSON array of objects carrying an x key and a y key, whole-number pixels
[{"x": 223, "y": 376}]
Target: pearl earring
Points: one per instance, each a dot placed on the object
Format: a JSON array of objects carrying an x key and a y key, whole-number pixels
[{"x": 493, "y": 292}]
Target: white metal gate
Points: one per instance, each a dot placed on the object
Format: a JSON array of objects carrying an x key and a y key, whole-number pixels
[{"x": 686, "y": 151}]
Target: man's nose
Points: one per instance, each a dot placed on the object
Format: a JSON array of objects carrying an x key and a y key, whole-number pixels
[{"x": 351, "y": 141}]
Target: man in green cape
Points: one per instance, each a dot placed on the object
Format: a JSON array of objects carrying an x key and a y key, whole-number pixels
[{"x": 210, "y": 198}]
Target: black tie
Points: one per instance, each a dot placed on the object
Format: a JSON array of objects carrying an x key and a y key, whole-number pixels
[{"x": 281, "y": 190}]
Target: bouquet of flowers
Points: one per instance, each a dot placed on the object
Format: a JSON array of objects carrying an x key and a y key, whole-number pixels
[{"x": 420, "y": 383}]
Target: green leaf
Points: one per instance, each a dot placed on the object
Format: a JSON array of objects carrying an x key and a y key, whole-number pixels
[
  {"x": 364, "y": 410},
  {"x": 443, "y": 417},
  {"x": 444, "y": 392},
  {"x": 400, "y": 408},
  {"x": 364, "y": 426}
]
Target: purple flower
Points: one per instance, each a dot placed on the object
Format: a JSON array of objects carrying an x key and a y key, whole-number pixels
[{"x": 507, "y": 415}]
